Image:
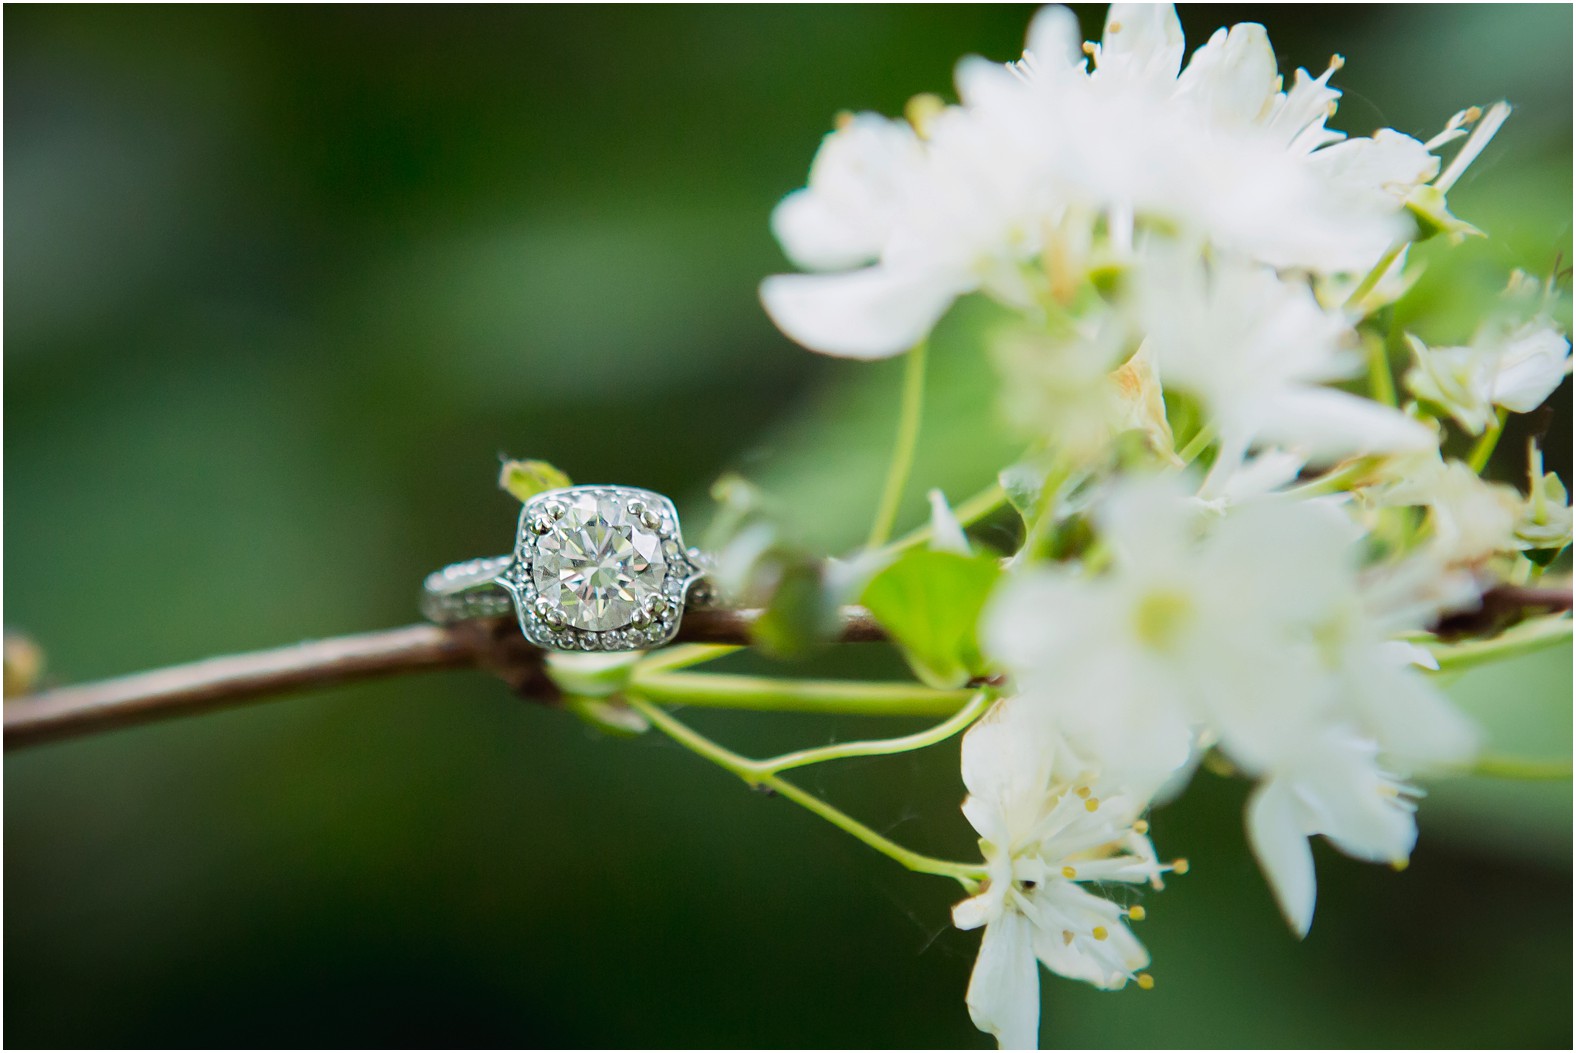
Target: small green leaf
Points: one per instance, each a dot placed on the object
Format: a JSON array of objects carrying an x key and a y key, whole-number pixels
[
  {"x": 591, "y": 675},
  {"x": 1023, "y": 483},
  {"x": 930, "y": 602},
  {"x": 592, "y": 684},
  {"x": 525, "y": 479},
  {"x": 1433, "y": 216},
  {"x": 609, "y": 716},
  {"x": 801, "y": 613}
]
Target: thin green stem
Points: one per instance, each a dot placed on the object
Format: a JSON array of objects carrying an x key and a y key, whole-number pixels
[
  {"x": 853, "y": 697},
  {"x": 754, "y": 773},
  {"x": 1477, "y": 460},
  {"x": 1525, "y": 769},
  {"x": 1197, "y": 444},
  {"x": 1334, "y": 481},
  {"x": 1381, "y": 381},
  {"x": 1526, "y": 638},
  {"x": 966, "y": 874},
  {"x": 903, "y": 450},
  {"x": 882, "y": 747},
  {"x": 683, "y": 656},
  {"x": 1373, "y": 277}
]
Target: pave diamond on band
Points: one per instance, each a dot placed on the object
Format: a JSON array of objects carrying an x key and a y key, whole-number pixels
[{"x": 595, "y": 568}]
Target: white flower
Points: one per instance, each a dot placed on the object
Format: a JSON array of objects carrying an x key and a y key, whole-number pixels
[
  {"x": 1517, "y": 370},
  {"x": 1001, "y": 192},
  {"x": 1256, "y": 351},
  {"x": 1075, "y": 394},
  {"x": 1333, "y": 786},
  {"x": 1545, "y": 520},
  {"x": 1256, "y": 632},
  {"x": 1472, "y": 519},
  {"x": 845, "y": 215},
  {"x": 1043, "y": 838}
]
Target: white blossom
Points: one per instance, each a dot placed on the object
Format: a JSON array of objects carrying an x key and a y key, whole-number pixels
[
  {"x": 845, "y": 215},
  {"x": 1254, "y": 631},
  {"x": 1545, "y": 519},
  {"x": 1044, "y": 838},
  {"x": 1516, "y": 369},
  {"x": 1257, "y": 351},
  {"x": 1470, "y": 518},
  {"x": 979, "y": 195}
]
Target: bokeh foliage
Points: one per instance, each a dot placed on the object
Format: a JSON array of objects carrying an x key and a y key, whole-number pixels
[{"x": 282, "y": 282}]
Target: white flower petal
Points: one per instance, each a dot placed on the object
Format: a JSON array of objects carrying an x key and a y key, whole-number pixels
[
  {"x": 946, "y": 533},
  {"x": 1382, "y": 168},
  {"x": 1004, "y": 989},
  {"x": 1283, "y": 853},
  {"x": 974, "y": 911},
  {"x": 1329, "y": 425},
  {"x": 1233, "y": 78},
  {"x": 1055, "y": 38},
  {"x": 1300, "y": 113},
  {"x": 1531, "y": 366},
  {"x": 877, "y": 312},
  {"x": 1141, "y": 41},
  {"x": 1064, "y": 940},
  {"x": 845, "y": 215}
]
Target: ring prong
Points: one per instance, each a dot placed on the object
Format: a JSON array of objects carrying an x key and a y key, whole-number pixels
[
  {"x": 650, "y": 520},
  {"x": 555, "y": 620},
  {"x": 554, "y": 510},
  {"x": 656, "y": 605},
  {"x": 640, "y": 619},
  {"x": 637, "y": 508},
  {"x": 541, "y": 524}
]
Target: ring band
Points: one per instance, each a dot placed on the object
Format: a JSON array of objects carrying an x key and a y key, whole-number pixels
[{"x": 594, "y": 568}]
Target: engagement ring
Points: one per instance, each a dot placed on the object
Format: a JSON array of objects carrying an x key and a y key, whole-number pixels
[{"x": 594, "y": 568}]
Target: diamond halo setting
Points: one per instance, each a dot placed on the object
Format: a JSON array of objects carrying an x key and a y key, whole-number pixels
[{"x": 599, "y": 568}]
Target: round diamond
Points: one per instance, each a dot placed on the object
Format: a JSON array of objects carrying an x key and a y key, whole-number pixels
[{"x": 598, "y": 564}]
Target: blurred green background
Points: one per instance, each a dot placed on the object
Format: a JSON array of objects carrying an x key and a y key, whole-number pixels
[{"x": 281, "y": 283}]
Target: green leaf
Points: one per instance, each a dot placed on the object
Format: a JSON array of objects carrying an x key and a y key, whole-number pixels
[
  {"x": 525, "y": 479},
  {"x": 608, "y": 716},
  {"x": 592, "y": 685},
  {"x": 1428, "y": 208},
  {"x": 930, "y": 603},
  {"x": 802, "y": 612},
  {"x": 1023, "y": 484}
]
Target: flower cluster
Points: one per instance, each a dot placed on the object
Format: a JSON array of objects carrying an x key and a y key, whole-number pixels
[{"x": 1227, "y": 550}]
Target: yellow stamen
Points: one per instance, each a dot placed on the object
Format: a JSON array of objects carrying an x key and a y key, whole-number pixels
[
  {"x": 1337, "y": 61},
  {"x": 1141, "y": 827},
  {"x": 1069, "y": 873},
  {"x": 1099, "y": 932},
  {"x": 843, "y": 119},
  {"x": 1088, "y": 48},
  {"x": 1092, "y": 804},
  {"x": 1137, "y": 913},
  {"x": 922, "y": 111},
  {"x": 1116, "y": 27},
  {"x": 1082, "y": 791},
  {"x": 1399, "y": 865},
  {"x": 1472, "y": 113},
  {"x": 1146, "y": 981},
  {"x": 1179, "y": 866}
]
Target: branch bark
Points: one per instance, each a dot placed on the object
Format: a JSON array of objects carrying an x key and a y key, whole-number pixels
[{"x": 493, "y": 645}]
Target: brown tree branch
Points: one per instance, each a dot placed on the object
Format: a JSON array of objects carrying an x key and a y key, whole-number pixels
[{"x": 493, "y": 645}]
